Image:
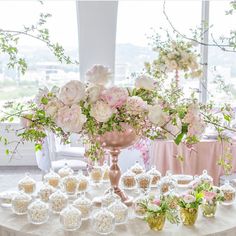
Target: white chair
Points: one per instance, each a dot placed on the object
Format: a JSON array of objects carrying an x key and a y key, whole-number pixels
[{"x": 55, "y": 155}]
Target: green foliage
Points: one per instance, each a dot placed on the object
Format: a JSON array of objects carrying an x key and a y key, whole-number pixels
[
  {"x": 207, "y": 187},
  {"x": 146, "y": 95},
  {"x": 198, "y": 200},
  {"x": 153, "y": 210}
]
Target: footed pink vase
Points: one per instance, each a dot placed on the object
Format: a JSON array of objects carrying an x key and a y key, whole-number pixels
[{"x": 115, "y": 141}]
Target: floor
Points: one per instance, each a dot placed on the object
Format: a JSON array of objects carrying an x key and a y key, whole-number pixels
[{"x": 9, "y": 176}]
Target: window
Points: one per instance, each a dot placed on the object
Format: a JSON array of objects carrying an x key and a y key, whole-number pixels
[
  {"x": 138, "y": 20},
  {"x": 221, "y": 65},
  {"x": 44, "y": 70}
]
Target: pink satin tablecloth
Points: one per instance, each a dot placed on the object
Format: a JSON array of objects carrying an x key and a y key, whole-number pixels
[{"x": 204, "y": 155}]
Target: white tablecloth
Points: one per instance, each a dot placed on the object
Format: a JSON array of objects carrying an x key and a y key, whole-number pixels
[{"x": 224, "y": 224}]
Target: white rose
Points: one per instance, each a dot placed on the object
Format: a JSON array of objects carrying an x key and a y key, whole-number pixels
[
  {"x": 145, "y": 82},
  {"x": 189, "y": 198},
  {"x": 71, "y": 119},
  {"x": 115, "y": 96},
  {"x": 72, "y": 92},
  {"x": 52, "y": 107},
  {"x": 156, "y": 115},
  {"x": 99, "y": 75},
  {"x": 171, "y": 56},
  {"x": 101, "y": 111},
  {"x": 184, "y": 56},
  {"x": 93, "y": 92},
  {"x": 196, "y": 74},
  {"x": 193, "y": 65},
  {"x": 173, "y": 65}
]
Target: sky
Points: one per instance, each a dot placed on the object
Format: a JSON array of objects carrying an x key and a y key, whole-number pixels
[
  {"x": 135, "y": 18},
  {"x": 62, "y": 25}
]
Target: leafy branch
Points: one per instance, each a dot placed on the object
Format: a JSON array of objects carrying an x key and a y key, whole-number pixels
[
  {"x": 229, "y": 46},
  {"x": 9, "y": 40}
]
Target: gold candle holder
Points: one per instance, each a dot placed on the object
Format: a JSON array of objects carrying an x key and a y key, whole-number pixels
[
  {"x": 156, "y": 223},
  {"x": 188, "y": 215}
]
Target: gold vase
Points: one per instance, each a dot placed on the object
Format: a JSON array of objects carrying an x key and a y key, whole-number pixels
[
  {"x": 114, "y": 142},
  {"x": 209, "y": 210},
  {"x": 188, "y": 215},
  {"x": 156, "y": 223}
]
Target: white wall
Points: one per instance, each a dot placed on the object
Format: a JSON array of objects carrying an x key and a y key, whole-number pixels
[{"x": 97, "y": 33}]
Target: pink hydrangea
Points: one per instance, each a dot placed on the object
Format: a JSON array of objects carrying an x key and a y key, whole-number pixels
[
  {"x": 70, "y": 119},
  {"x": 115, "y": 96}
]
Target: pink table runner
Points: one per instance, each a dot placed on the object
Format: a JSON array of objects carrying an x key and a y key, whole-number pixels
[{"x": 204, "y": 156}]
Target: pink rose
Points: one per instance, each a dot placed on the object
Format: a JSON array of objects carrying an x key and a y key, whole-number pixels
[
  {"x": 115, "y": 96},
  {"x": 209, "y": 195},
  {"x": 157, "y": 202},
  {"x": 94, "y": 92},
  {"x": 72, "y": 92},
  {"x": 70, "y": 119},
  {"x": 52, "y": 107},
  {"x": 101, "y": 111}
]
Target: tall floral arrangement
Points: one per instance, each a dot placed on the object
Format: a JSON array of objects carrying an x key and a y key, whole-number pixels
[
  {"x": 175, "y": 56},
  {"x": 178, "y": 58},
  {"x": 153, "y": 108},
  {"x": 90, "y": 109}
]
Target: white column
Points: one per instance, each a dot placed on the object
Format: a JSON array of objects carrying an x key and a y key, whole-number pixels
[
  {"x": 97, "y": 33},
  {"x": 204, "y": 51}
]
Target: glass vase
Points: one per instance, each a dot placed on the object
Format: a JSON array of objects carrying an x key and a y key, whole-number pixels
[
  {"x": 188, "y": 215},
  {"x": 209, "y": 209},
  {"x": 157, "y": 222}
]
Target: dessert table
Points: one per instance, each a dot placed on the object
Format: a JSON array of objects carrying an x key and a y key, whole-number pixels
[
  {"x": 222, "y": 224},
  {"x": 203, "y": 155}
]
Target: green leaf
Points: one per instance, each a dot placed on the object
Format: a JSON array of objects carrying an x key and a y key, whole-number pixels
[
  {"x": 11, "y": 119},
  {"x": 38, "y": 147},
  {"x": 185, "y": 128},
  {"x": 44, "y": 100},
  {"x": 7, "y": 152},
  {"x": 179, "y": 138},
  {"x": 5, "y": 141},
  {"x": 227, "y": 117}
]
